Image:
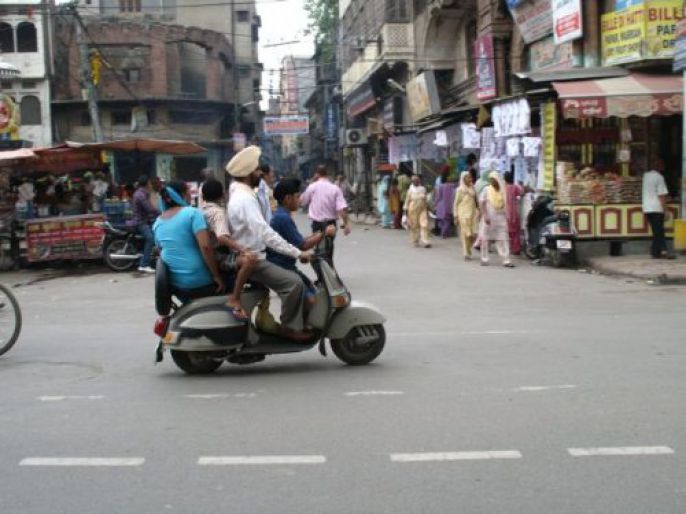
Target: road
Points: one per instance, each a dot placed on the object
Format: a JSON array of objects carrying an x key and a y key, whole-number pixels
[{"x": 529, "y": 390}]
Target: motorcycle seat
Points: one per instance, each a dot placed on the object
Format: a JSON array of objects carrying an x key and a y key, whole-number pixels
[{"x": 163, "y": 289}]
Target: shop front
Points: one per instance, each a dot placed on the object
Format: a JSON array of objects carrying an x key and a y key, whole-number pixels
[{"x": 609, "y": 131}]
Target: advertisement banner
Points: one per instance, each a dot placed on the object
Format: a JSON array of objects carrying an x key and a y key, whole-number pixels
[
  {"x": 9, "y": 118},
  {"x": 422, "y": 95},
  {"x": 331, "y": 122},
  {"x": 661, "y": 18},
  {"x": 680, "y": 46},
  {"x": 485, "y": 68},
  {"x": 548, "y": 127},
  {"x": 546, "y": 55},
  {"x": 296, "y": 124},
  {"x": 534, "y": 19},
  {"x": 239, "y": 141},
  {"x": 567, "y": 20},
  {"x": 68, "y": 237},
  {"x": 622, "y": 34}
]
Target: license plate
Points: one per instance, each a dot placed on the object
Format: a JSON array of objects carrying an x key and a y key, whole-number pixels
[{"x": 564, "y": 244}]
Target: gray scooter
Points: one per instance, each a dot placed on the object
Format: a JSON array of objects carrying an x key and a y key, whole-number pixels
[{"x": 202, "y": 334}]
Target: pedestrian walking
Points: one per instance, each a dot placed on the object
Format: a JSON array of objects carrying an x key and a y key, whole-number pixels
[
  {"x": 655, "y": 194},
  {"x": 445, "y": 198},
  {"x": 417, "y": 210},
  {"x": 466, "y": 213},
  {"x": 513, "y": 195},
  {"x": 383, "y": 205},
  {"x": 143, "y": 216},
  {"x": 396, "y": 205},
  {"x": 404, "y": 182},
  {"x": 493, "y": 226},
  {"x": 326, "y": 205}
]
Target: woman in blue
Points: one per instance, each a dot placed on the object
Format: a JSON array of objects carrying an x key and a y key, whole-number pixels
[{"x": 181, "y": 233}]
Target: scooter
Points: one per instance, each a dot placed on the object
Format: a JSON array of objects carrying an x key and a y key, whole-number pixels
[
  {"x": 122, "y": 246},
  {"x": 202, "y": 334},
  {"x": 551, "y": 235}
]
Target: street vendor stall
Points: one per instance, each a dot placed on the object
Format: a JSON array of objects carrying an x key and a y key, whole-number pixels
[
  {"x": 56, "y": 196},
  {"x": 610, "y": 131}
]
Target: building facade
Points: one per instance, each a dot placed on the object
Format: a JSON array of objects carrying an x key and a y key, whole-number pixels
[{"x": 25, "y": 42}]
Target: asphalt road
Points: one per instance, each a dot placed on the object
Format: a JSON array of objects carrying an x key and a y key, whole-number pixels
[{"x": 526, "y": 391}]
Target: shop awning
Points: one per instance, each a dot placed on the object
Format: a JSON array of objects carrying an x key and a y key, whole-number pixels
[
  {"x": 637, "y": 94},
  {"x": 142, "y": 145},
  {"x": 16, "y": 155}
]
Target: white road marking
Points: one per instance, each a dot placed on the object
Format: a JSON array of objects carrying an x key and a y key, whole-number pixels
[
  {"x": 83, "y": 461},
  {"x": 374, "y": 393},
  {"x": 62, "y": 398},
  {"x": 257, "y": 460},
  {"x": 450, "y": 456},
  {"x": 620, "y": 450},
  {"x": 219, "y": 396},
  {"x": 543, "y": 388},
  {"x": 462, "y": 333}
]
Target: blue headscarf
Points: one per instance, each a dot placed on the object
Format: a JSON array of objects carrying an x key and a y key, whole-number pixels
[{"x": 174, "y": 196}]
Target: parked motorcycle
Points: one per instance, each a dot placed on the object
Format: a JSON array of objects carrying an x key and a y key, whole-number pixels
[
  {"x": 202, "y": 334},
  {"x": 551, "y": 235},
  {"x": 122, "y": 246}
]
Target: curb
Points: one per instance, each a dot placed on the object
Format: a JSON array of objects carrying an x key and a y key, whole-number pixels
[{"x": 651, "y": 278}]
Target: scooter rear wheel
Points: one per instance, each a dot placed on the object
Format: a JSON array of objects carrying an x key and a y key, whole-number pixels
[
  {"x": 119, "y": 247},
  {"x": 195, "y": 363},
  {"x": 352, "y": 352}
]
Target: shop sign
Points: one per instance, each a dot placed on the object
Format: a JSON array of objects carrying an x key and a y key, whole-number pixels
[
  {"x": 485, "y": 68},
  {"x": 9, "y": 123},
  {"x": 331, "y": 122},
  {"x": 546, "y": 55},
  {"x": 549, "y": 126},
  {"x": 534, "y": 19},
  {"x": 623, "y": 106},
  {"x": 70, "y": 237},
  {"x": 680, "y": 46},
  {"x": 239, "y": 141},
  {"x": 422, "y": 95},
  {"x": 289, "y": 125},
  {"x": 567, "y": 20},
  {"x": 662, "y": 17},
  {"x": 622, "y": 33},
  {"x": 644, "y": 31},
  {"x": 360, "y": 101}
]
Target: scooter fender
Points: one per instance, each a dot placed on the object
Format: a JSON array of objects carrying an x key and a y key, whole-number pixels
[{"x": 354, "y": 315}]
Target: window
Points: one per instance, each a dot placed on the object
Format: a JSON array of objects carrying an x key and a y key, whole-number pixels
[
  {"x": 152, "y": 116},
  {"x": 470, "y": 41},
  {"x": 27, "y": 37},
  {"x": 5, "y": 84},
  {"x": 85, "y": 119},
  {"x": 29, "y": 84},
  {"x": 243, "y": 16},
  {"x": 121, "y": 117},
  {"x": 6, "y": 38},
  {"x": 191, "y": 117},
  {"x": 132, "y": 75},
  {"x": 243, "y": 70},
  {"x": 30, "y": 111},
  {"x": 397, "y": 11},
  {"x": 255, "y": 33},
  {"x": 129, "y": 5}
]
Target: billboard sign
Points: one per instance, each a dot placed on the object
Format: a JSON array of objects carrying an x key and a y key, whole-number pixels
[{"x": 288, "y": 125}]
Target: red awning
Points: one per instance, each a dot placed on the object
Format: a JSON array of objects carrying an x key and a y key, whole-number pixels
[{"x": 637, "y": 94}]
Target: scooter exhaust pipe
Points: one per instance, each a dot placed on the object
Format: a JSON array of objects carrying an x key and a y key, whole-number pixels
[{"x": 125, "y": 256}]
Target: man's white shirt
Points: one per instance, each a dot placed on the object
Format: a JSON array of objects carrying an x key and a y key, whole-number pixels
[{"x": 653, "y": 187}]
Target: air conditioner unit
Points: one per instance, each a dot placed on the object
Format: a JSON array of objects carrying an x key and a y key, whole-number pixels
[{"x": 355, "y": 137}]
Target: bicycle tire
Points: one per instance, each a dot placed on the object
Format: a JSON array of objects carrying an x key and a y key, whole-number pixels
[{"x": 17, "y": 316}]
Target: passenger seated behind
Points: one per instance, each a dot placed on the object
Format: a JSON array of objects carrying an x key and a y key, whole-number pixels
[
  {"x": 239, "y": 260},
  {"x": 287, "y": 195},
  {"x": 181, "y": 234}
]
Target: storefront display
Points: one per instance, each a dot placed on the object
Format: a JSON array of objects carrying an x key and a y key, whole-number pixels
[{"x": 64, "y": 237}]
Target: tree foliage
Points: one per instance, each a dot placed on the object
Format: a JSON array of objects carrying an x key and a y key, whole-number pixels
[{"x": 323, "y": 15}]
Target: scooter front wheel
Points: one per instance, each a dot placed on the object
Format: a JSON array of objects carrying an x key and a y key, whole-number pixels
[
  {"x": 361, "y": 345},
  {"x": 195, "y": 363}
]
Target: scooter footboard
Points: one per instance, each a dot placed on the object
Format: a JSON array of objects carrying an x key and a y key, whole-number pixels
[{"x": 355, "y": 315}]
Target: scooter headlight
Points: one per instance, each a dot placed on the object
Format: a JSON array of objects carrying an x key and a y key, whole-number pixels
[{"x": 340, "y": 300}]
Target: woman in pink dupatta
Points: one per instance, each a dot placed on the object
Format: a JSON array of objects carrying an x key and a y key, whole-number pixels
[{"x": 513, "y": 195}]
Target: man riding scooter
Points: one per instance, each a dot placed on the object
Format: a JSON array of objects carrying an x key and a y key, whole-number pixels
[{"x": 251, "y": 231}]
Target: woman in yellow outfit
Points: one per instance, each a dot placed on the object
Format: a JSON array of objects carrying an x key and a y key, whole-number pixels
[
  {"x": 466, "y": 213},
  {"x": 417, "y": 209}
]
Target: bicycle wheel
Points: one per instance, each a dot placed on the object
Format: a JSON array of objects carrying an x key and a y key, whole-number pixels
[{"x": 10, "y": 319}]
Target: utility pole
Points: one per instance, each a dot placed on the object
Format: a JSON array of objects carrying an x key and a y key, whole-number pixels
[
  {"x": 236, "y": 76},
  {"x": 87, "y": 79}
]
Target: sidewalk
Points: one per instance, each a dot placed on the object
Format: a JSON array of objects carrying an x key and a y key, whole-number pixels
[{"x": 642, "y": 267}]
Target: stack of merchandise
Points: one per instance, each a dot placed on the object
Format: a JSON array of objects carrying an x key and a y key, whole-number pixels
[{"x": 631, "y": 189}]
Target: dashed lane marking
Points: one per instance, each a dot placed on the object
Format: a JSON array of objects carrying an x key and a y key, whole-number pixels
[
  {"x": 83, "y": 461},
  {"x": 453, "y": 456},
  {"x": 543, "y": 388},
  {"x": 62, "y": 398},
  {"x": 261, "y": 460},
  {"x": 219, "y": 396},
  {"x": 620, "y": 450},
  {"x": 462, "y": 333},
  {"x": 374, "y": 393}
]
